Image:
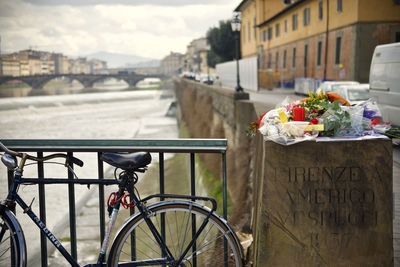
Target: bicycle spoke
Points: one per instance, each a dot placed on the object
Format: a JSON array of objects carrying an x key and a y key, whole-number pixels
[
  {"x": 184, "y": 236},
  {"x": 179, "y": 217}
]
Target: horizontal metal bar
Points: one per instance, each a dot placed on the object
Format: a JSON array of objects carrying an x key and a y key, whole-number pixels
[
  {"x": 66, "y": 181},
  {"x": 152, "y": 145}
]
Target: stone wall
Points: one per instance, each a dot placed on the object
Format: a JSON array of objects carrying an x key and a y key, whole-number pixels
[
  {"x": 309, "y": 204},
  {"x": 210, "y": 112}
]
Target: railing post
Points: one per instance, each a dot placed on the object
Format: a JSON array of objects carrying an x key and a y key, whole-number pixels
[
  {"x": 42, "y": 211},
  {"x": 72, "y": 212},
  {"x": 193, "y": 193},
  {"x": 100, "y": 171},
  {"x": 225, "y": 204},
  {"x": 162, "y": 191}
]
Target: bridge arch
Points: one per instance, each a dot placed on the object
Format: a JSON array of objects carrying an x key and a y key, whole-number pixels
[{"x": 38, "y": 81}]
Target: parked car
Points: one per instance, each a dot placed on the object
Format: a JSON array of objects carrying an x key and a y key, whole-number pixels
[
  {"x": 353, "y": 93},
  {"x": 384, "y": 80},
  {"x": 207, "y": 79}
]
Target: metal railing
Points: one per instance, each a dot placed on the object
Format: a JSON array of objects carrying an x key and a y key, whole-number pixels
[{"x": 160, "y": 146}]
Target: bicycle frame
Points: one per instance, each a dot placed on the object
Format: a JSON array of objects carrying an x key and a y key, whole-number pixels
[{"x": 14, "y": 197}]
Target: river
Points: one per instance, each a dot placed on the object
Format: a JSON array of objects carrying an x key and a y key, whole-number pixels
[{"x": 112, "y": 115}]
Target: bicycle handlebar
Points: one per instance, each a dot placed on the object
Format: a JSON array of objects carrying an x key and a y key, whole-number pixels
[{"x": 72, "y": 159}]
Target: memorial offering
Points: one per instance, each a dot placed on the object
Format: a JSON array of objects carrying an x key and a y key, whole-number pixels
[{"x": 319, "y": 115}]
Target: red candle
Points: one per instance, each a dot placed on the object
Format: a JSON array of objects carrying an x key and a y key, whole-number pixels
[{"x": 299, "y": 114}]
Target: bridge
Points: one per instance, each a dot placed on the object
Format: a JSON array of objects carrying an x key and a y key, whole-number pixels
[{"x": 87, "y": 80}]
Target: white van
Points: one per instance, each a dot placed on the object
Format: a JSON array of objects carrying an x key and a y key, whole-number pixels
[
  {"x": 384, "y": 81},
  {"x": 353, "y": 93}
]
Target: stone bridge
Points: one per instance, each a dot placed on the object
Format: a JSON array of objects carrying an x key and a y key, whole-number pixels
[{"x": 87, "y": 80}]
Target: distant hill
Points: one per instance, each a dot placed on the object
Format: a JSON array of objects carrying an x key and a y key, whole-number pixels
[
  {"x": 115, "y": 60},
  {"x": 145, "y": 64}
]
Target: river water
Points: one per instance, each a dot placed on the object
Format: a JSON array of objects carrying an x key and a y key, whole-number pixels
[{"x": 112, "y": 115}]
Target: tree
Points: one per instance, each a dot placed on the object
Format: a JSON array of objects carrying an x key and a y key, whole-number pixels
[{"x": 222, "y": 43}]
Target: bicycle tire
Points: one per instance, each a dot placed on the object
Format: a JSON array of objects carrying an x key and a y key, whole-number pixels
[
  {"x": 12, "y": 241},
  {"x": 178, "y": 222}
]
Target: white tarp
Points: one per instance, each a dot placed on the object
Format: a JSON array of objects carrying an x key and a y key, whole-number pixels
[{"x": 248, "y": 73}]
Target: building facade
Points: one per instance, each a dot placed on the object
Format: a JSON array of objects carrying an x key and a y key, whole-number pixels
[
  {"x": 196, "y": 57},
  {"x": 32, "y": 62},
  {"x": 172, "y": 64},
  {"x": 323, "y": 39}
]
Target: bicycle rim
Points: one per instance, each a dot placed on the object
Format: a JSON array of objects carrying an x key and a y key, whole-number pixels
[
  {"x": 9, "y": 246},
  {"x": 178, "y": 218}
]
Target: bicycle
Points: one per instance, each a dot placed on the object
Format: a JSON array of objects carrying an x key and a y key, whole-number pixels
[{"x": 156, "y": 235}]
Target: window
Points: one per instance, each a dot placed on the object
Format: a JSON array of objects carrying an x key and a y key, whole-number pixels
[
  {"x": 397, "y": 37},
  {"x": 269, "y": 33},
  {"x": 269, "y": 60},
  {"x": 276, "y": 60},
  {"x": 284, "y": 59},
  {"x": 285, "y": 25},
  {"x": 338, "y": 49},
  {"x": 320, "y": 10},
  {"x": 249, "y": 30},
  {"x": 339, "y": 6},
  {"x": 264, "y": 33},
  {"x": 294, "y": 22},
  {"x": 277, "y": 29},
  {"x": 294, "y": 58},
  {"x": 306, "y": 16},
  {"x": 305, "y": 55},
  {"x": 319, "y": 53},
  {"x": 255, "y": 26}
]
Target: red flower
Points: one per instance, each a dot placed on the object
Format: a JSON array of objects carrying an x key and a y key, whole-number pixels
[
  {"x": 259, "y": 121},
  {"x": 375, "y": 121},
  {"x": 314, "y": 121}
]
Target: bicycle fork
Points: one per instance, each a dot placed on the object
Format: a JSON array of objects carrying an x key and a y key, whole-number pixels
[{"x": 111, "y": 224}]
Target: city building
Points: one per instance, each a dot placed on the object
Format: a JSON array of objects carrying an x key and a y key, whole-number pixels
[
  {"x": 9, "y": 65},
  {"x": 172, "y": 64},
  {"x": 97, "y": 66},
  {"x": 323, "y": 39},
  {"x": 32, "y": 62},
  {"x": 196, "y": 56}
]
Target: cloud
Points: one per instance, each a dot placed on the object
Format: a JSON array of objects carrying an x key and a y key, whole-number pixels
[
  {"x": 125, "y": 2},
  {"x": 146, "y": 30}
]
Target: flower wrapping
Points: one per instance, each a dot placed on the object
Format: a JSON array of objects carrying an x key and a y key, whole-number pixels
[{"x": 325, "y": 115}]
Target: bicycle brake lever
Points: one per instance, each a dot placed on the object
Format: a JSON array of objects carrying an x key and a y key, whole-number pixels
[{"x": 75, "y": 161}]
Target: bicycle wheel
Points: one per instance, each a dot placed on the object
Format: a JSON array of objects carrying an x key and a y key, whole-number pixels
[
  {"x": 179, "y": 218},
  {"x": 12, "y": 241}
]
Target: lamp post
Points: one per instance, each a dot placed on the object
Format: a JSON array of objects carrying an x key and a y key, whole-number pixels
[{"x": 236, "y": 25}]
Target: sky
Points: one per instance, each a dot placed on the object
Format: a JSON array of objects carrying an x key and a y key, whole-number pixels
[{"x": 147, "y": 28}]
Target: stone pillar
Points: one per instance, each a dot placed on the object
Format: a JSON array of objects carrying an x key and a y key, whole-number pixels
[{"x": 325, "y": 204}]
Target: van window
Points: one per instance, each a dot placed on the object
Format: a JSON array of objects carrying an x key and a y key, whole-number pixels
[
  {"x": 378, "y": 77},
  {"x": 357, "y": 95}
]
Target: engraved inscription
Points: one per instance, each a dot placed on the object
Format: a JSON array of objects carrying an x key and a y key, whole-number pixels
[{"x": 334, "y": 201}]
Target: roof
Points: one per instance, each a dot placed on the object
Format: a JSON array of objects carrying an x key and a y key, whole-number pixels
[
  {"x": 290, "y": 7},
  {"x": 242, "y": 5}
]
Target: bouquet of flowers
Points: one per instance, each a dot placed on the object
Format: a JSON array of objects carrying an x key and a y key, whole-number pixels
[{"x": 321, "y": 114}]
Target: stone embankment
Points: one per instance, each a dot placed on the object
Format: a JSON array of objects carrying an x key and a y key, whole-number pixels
[
  {"x": 309, "y": 204},
  {"x": 211, "y": 112}
]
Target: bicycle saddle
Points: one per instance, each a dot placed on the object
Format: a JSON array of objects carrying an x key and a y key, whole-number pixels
[{"x": 127, "y": 161}]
